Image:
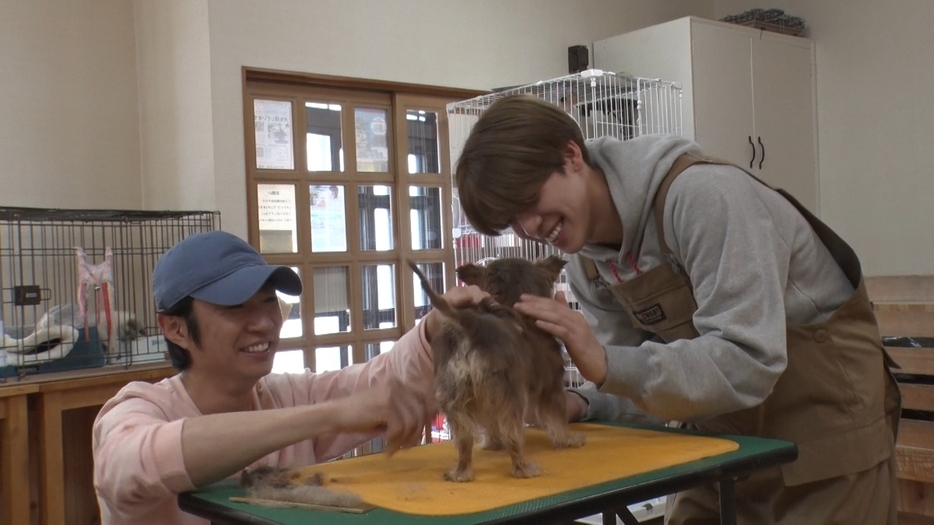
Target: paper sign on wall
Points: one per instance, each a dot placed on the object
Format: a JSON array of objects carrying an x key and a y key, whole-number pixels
[{"x": 273, "y": 123}]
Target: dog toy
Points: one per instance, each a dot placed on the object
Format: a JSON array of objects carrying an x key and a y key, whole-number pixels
[{"x": 100, "y": 277}]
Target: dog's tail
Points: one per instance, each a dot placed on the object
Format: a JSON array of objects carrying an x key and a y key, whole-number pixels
[
  {"x": 467, "y": 316},
  {"x": 436, "y": 300}
]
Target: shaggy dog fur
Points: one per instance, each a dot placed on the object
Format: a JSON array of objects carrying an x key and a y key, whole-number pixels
[{"x": 495, "y": 370}]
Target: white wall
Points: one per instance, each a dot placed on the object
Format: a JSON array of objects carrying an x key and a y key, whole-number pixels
[
  {"x": 875, "y": 125},
  {"x": 177, "y": 142},
  {"x": 461, "y": 43},
  {"x": 119, "y": 104},
  {"x": 73, "y": 92},
  {"x": 70, "y": 131}
]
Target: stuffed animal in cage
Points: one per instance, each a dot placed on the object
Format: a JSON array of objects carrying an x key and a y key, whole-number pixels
[
  {"x": 125, "y": 326},
  {"x": 48, "y": 340},
  {"x": 57, "y": 331},
  {"x": 100, "y": 279}
]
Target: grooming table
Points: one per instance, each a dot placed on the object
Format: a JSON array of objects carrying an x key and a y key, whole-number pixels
[{"x": 619, "y": 465}]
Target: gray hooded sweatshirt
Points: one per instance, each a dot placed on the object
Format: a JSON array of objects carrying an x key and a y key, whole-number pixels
[{"x": 754, "y": 263}]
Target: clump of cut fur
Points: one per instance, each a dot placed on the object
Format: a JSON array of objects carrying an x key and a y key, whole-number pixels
[
  {"x": 279, "y": 484},
  {"x": 495, "y": 370}
]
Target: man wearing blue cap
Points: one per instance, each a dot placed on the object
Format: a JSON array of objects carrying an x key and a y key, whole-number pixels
[{"x": 224, "y": 411}]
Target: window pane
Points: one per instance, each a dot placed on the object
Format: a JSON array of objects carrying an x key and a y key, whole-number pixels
[
  {"x": 332, "y": 307},
  {"x": 375, "y": 203},
  {"x": 288, "y": 362},
  {"x": 272, "y": 121},
  {"x": 425, "y": 217},
  {"x": 379, "y": 296},
  {"x": 371, "y": 129},
  {"x": 323, "y": 145},
  {"x": 435, "y": 274},
  {"x": 292, "y": 323},
  {"x": 333, "y": 358},
  {"x": 374, "y": 349},
  {"x": 277, "y": 223},
  {"x": 424, "y": 154},
  {"x": 328, "y": 220}
]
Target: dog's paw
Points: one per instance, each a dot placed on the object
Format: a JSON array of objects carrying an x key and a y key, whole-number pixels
[
  {"x": 575, "y": 439},
  {"x": 527, "y": 469},
  {"x": 459, "y": 476}
]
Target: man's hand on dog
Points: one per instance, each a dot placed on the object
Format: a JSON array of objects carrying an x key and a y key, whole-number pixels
[
  {"x": 457, "y": 297},
  {"x": 395, "y": 410},
  {"x": 557, "y": 318}
]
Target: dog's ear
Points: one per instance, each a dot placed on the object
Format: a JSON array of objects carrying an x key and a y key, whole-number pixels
[
  {"x": 553, "y": 265},
  {"x": 504, "y": 312},
  {"x": 471, "y": 274}
]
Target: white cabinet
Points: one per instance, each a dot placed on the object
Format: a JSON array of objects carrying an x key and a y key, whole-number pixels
[{"x": 748, "y": 95}]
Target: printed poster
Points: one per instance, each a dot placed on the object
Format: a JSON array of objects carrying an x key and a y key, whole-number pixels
[{"x": 273, "y": 123}]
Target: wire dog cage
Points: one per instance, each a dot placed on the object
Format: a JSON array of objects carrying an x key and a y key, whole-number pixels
[
  {"x": 603, "y": 104},
  {"x": 75, "y": 286}
]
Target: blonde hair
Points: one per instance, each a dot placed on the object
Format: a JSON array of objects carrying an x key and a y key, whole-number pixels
[{"x": 513, "y": 148}]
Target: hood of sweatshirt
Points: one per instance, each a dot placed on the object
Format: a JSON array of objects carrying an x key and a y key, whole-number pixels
[{"x": 634, "y": 169}]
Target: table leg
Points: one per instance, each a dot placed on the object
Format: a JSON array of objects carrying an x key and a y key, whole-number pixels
[{"x": 727, "y": 502}]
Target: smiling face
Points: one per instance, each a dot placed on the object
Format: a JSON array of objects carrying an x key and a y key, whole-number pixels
[
  {"x": 560, "y": 216},
  {"x": 237, "y": 342},
  {"x": 563, "y": 215}
]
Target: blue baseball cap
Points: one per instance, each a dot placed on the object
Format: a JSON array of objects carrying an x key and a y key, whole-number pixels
[{"x": 219, "y": 268}]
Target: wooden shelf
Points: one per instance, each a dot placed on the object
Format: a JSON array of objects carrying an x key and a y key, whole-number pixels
[
  {"x": 46, "y": 461},
  {"x": 14, "y": 454},
  {"x": 68, "y": 407}
]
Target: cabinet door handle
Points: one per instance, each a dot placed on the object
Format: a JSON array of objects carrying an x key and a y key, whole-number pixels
[
  {"x": 763, "y": 152},
  {"x": 753, "y": 159}
]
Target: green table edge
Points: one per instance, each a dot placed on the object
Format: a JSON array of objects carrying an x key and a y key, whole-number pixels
[{"x": 772, "y": 451}]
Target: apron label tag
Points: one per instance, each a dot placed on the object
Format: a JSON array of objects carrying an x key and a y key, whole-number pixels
[{"x": 651, "y": 315}]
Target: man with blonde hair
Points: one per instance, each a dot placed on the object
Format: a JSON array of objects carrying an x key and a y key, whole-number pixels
[{"x": 708, "y": 298}]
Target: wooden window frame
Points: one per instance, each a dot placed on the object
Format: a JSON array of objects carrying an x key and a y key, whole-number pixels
[{"x": 396, "y": 98}]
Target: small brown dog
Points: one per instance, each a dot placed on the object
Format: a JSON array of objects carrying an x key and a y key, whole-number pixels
[{"x": 494, "y": 369}]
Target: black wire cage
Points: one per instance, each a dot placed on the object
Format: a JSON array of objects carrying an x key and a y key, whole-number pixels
[{"x": 75, "y": 286}]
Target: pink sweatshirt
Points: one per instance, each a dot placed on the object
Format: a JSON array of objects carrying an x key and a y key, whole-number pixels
[{"x": 138, "y": 465}]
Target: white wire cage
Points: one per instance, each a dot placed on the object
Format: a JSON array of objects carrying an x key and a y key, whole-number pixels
[{"x": 603, "y": 104}]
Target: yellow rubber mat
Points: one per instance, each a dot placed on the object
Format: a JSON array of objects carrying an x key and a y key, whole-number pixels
[{"x": 411, "y": 481}]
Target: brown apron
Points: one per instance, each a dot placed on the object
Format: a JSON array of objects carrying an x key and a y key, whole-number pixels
[{"x": 837, "y": 399}]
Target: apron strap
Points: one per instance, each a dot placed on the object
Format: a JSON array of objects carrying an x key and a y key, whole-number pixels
[
  {"x": 842, "y": 253},
  {"x": 590, "y": 268},
  {"x": 681, "y": 163}
]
